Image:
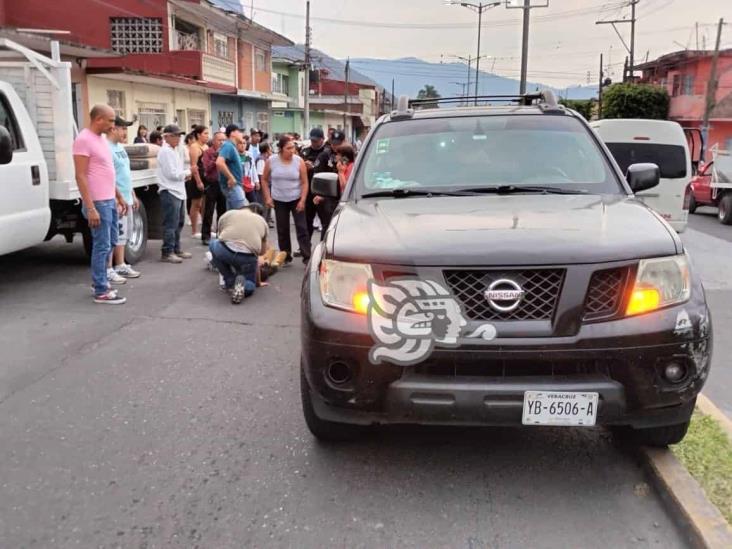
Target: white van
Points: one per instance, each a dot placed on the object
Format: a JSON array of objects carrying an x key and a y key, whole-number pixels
[{"x": 660, "y": 142}]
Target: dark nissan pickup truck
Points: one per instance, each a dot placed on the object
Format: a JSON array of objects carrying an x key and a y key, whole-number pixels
[{"x": 489, "y": 265}]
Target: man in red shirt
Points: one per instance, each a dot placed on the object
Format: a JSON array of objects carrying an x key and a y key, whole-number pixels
[{"x": 214, "y": 198}]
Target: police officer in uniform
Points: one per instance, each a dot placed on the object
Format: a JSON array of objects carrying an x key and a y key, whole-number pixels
[
  {"x": 311, "y": 155},
  {"x": 327, "y": 162}
]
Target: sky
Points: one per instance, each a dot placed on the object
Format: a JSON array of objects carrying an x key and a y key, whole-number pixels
[{"x": 565, "y": 43}]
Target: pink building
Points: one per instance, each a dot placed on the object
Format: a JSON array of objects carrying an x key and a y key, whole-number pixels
[{"x": 685, "y": 74}]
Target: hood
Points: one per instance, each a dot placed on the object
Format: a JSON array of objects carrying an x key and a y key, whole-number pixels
[{"x": 498, "y": 230}]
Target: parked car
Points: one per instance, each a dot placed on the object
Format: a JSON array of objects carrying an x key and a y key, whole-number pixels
[
  {"x": 492, "y": 265},
  {"x": 663, "y": 143}
]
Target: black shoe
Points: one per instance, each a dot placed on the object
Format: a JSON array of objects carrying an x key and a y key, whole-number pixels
[
  {"x": 297, "y": 254},
  {"x": 305, "y": 260},
  {"x": 205, "y": 241}
]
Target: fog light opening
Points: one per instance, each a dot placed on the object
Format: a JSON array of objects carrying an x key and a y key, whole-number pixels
[
  {"x": 339, "y": 373},
  {"x": 674, "y": 372}
]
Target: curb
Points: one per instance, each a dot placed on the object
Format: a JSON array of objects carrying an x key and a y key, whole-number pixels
[{"x": 700, "y": 520}]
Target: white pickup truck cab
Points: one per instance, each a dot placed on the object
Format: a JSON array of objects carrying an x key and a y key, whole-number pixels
[{"x": 37, "y": 130}]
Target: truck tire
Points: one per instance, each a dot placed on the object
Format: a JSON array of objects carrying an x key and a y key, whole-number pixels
[
  {"x": 154, "y": 213},
  {"x": 692, "y": 203},
  {"x": 86, "y": 238},
  {"x": 137, "y": 239},
  {"x": 325, "y": 431},
  {"x": 725, "y": 209},
  {"x": 660, "y": 436}
]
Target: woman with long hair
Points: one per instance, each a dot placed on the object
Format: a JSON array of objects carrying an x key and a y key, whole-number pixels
[
  {"x": 195, "y": 185},
  {"x": 285, "y": 188},
  {"x": 141, "y": 135}
]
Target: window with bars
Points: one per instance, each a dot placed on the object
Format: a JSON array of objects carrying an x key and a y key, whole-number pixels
[
  {"x": 152, "y": 115},
  {"x": 221, "y": 46},
  {"x": 137, "y": 34},
  {"x": 197, "y": 116},
  {"x": 225, "y": 118},
  {"x": 116, "y": 100},
  {"x": 688, "y": 85},
  {"x": 263, "y": 121},
  {"x": 676, "y": 85},
  {"x": 260, "y": 60}
]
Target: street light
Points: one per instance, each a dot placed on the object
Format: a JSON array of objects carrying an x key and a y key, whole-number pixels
[
  {"x": 479, "y": 8},
  {"x": 469, "y": 60}
]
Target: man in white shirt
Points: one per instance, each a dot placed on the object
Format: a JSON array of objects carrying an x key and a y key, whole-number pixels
[{"x": 171, "y": 174}]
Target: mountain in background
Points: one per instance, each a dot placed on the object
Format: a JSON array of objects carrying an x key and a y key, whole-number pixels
[{"x": 411, "y": 74}]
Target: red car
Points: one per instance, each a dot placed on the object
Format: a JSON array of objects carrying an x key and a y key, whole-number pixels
[{"x": 701, "y": 193}]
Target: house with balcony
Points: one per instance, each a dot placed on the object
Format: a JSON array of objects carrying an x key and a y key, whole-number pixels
[
  {"x": 288, "y": 90},
  {"x": 183, "y": 61},
  {"x": 352, "y": 106},
  {"x": 686, "y": 75}
]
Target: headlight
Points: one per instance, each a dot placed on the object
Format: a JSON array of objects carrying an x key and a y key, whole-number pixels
[
  {"x": 345, "y": 285},
  {"x": 660, "y": 282}
]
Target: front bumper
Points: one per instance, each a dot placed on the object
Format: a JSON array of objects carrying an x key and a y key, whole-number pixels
[{"x": 483, "y": 383}]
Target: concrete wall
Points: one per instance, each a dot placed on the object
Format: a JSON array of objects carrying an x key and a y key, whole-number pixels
[
  {"x": 245, "y": 112},
  {"x": 170, "y": 99}
]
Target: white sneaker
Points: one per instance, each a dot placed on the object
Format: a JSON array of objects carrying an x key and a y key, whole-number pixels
[
  {"x": 109, "y": 289},
  {"x": 127, "y": 271},
  {"x": 196, "y": 235},
  {"x": 207, "y": 260},
  {"x": 222, "y": 283},
  {"x": 114, "y": 278}
]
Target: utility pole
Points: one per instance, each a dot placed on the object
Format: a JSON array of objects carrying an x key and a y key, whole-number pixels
[
  {"x": 696, "y": 26},
  {"x": 599, "y": 92},
  {"x": 711, "y": 88},
  {"x": 306, "y": 109},
  {"x": 479, "y": 8},
  {"x": 527, "y": 7},
  {"x": 392, "y": 94},
  {"x": 346, "y": 109},
  {"x": 630, "y": 49}
]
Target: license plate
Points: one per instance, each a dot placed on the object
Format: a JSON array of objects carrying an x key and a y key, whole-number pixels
[{"x": 559, "y": 408}]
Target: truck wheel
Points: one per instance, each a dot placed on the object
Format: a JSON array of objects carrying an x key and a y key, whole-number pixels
[
  {"x": 692, "y": 204},
  {"x": 326, "y": 431},
  {"x": 725, "y": 210},
  {"x": 86, "y": 238},
  {"x": 660, "y": 436},
  {"x": 137, "y": 239}
]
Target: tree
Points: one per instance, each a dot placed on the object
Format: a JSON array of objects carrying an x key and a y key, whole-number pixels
[
  {"x": 428, "y": 92},
  {"x": 635, "y": 101},
  {"x": 584, "y": 107}
]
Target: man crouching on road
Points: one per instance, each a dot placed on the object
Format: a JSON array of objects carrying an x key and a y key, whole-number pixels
[
  {"x": 242, "y": 237},
  {"x": 172, "y": 175}
]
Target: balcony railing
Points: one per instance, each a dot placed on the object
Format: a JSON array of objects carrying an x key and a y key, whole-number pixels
[
  {"x": 187, "y": 42},
  {"x": 218, "y": 70}
]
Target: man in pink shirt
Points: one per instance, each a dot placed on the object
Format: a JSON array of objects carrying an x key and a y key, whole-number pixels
[{"x": 100, "y": 197}]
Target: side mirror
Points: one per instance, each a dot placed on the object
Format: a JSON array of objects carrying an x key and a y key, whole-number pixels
[
  {"x": 325, "y": 184},
  {"x": 643, "y": 176},
  {"x": 6, "y": 146}
]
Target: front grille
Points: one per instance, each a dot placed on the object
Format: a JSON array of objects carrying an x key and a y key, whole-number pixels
[
  {"x": 541, "y": 292},
  {"x": 605, "y": 293},
  {"x": 513, "y": 368}
]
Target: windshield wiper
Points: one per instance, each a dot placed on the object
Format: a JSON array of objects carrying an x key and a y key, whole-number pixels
[
  {"x": 510, "y": 189},
  {"x": 405, "y": 193}
]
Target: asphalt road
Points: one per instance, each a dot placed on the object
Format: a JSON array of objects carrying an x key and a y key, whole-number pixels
[
  {"x": 709, "y": 244},
  {"x": 174, "y": 421}
]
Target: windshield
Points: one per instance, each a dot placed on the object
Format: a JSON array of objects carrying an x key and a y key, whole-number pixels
[{"x": 449, "y": 154}]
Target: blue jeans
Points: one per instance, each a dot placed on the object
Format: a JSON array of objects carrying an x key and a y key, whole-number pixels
[
  {"x": 230, "y": 264},
  {"x": 235, "y": 197},
  {"x": 174, "y": 216},
  {"x": 104, "y": 239}
]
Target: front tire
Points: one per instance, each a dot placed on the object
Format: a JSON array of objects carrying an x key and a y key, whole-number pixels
[
  {"x": 660, "y": 436},
  {"x": 725, "y": 210},
  {"x": 137, "y": 238},
  {"x": 325, "y": 431}
]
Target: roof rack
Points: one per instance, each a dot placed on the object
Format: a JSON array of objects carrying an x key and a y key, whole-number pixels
[{"x": 545, "y": 100}]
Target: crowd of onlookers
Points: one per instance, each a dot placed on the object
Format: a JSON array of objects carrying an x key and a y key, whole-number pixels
[{"x": 231, "y": 174}]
